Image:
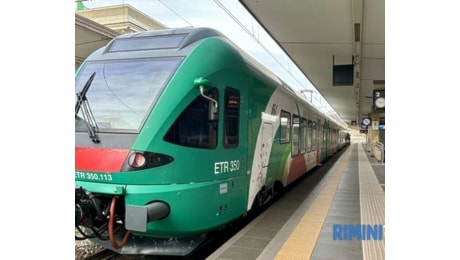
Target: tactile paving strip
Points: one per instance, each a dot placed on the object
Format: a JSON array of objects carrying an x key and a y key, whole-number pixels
[
  {"x": 299, "y": 245},
  {"x": 372, "y": 200}
]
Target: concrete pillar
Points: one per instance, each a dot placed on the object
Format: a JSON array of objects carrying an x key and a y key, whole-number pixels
[{"x": 373, "y": 131}]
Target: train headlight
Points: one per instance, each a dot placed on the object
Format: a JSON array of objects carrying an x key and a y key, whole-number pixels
[
  {"x": 140, "y": 160},
  {"x": 136, "y": 160}
]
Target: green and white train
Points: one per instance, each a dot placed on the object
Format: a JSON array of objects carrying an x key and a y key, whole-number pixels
[{"x": 177, "y": 133}]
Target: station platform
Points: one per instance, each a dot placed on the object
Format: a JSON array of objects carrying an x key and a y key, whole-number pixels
[{"x": 336, "y": 212}]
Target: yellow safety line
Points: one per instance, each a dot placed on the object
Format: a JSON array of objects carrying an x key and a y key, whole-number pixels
[{"x": 303, "y": 239}]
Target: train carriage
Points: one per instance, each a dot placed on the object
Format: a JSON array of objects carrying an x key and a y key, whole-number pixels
[{"x": 177, "y": 133}]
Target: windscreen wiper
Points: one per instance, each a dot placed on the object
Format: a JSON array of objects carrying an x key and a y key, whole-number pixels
[
  {"x": 81, "y": 96},
  {"x": 88, "y": 117}
]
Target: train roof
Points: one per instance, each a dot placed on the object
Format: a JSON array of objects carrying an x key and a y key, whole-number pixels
[
  {"x": 177, "y": 38},
  {"x": 156, "y": 43},
  {"x": 172, "y": 42},
  {"x": 179, "y": 42}
]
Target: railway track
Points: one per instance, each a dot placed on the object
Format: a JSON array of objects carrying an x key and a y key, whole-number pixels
[
  {"x": 209, "y": 246},
  {"x": 104, "y": 254}
]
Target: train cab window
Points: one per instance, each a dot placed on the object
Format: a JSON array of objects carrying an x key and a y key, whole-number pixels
[
  {"x": 285, "y": 127},
  {"x": 303, "y": 135},
  {"x": 232, "y": 117},
  {"x": 295, "y": 135},
  {"x": 314, "y": 135},
  {"x": 195, "y": 127}
]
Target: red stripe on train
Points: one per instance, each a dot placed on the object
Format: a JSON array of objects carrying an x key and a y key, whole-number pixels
[
  {"x": 99, "y": 159},
  {"x": 297, "y": 168}
]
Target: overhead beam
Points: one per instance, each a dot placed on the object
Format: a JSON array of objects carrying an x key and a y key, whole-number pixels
[{"x": 357, "y": 21}]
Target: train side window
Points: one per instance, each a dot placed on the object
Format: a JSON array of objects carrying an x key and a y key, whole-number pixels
[
  {"x": 193, "y": 128},
  {"x": 295, "y": 135},
  {"x": 285, "y": 127},
  {"x": 303, "y": 136},
  {"x": 232, "y": 117},
  {"x": 314, "y": 135}
]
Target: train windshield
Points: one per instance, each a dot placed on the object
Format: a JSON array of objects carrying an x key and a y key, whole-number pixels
[{"x": 123, "y": 92}]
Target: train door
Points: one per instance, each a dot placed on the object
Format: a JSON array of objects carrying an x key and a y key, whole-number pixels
[
  {"x": 324, "y": 142},
  {"x": 267, "y": 133},
  {"x": 229, "y": 159},
  {"x": 333, "y": 142},
  {"x": 327, "y": 141},
  {"x": 311, "y": 142},
  {"x": 233, "y": 146},
  {"x": 319, "y": 137},
  {"x": 233, "y": 135},
  {"x": 297, "y": 160}
]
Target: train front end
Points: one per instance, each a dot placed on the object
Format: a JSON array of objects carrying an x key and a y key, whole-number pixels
[{"x": 133, "y": 193}]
